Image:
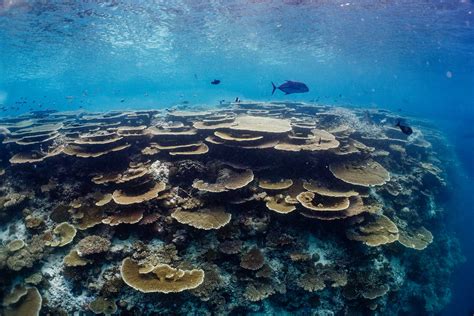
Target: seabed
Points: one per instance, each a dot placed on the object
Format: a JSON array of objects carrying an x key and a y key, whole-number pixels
[{"x": 257, "y": 207}]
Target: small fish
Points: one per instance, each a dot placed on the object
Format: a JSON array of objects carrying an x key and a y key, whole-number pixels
[
  {"x": 290, "y": 87},
  {"x": 215, "y": 82},
  {"x": 122, "y": 101},
  {"x": 407, "y": 130},
  {"x": 319, "y": 142},
  {"x": 237, "y": 100}
]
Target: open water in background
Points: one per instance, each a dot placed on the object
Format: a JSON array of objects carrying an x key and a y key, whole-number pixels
[{"x": 411, "y": 56}]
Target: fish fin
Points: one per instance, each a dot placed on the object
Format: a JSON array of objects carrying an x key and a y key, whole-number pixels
[{"x": 274, "y": 88}]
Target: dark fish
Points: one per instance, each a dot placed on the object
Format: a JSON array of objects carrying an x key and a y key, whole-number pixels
[
  {"x": 122, "y": 101},
  {"x": 290, "y": 87},
  {"x": 215, "y": 81},
  {"x": 407, "y": 130},
  {"x": 237, "y": 100}
]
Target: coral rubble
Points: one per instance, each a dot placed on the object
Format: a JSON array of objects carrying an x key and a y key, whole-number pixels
[{"x": 255, "y": 208}]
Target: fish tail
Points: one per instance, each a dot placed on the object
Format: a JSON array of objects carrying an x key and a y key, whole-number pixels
[
  {"x": 398, "y": 123},
  {"x": 274, "y": 88}
]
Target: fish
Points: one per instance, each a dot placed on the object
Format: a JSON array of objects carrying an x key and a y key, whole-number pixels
[
  {"x": 215, "y": 81},
  {"x": 237, "y": 100},
  {"x": 290, "y": 87},
  {"x": 407, "y": 130}
]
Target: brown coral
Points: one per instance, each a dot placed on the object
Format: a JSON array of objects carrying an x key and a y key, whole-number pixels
[
  {"x": 280, "y": 184},
  {"x": 375, "y": 230},
  {"x": 261, "y": 124},
  {"x": 160, "y": 278},
  {"x": 230, "y": 247},
  {"x": 279, "y": 205},
  {"x": 123, "y": 198},
  {"x": 418, "y": 238},
  {"x": 227, "y": 179},
  {"x": 101, "y": 305},
  {"x": 128, "y": 216},
  {"x": 364, "y": 173},
  {"x": 28, "y": 304},
  {"x": 208, "y": 218},
  {"x": 252, "y": 260},
  {"x": 72, "y": 259},
  {"x": 92, "y": 245},
  {"x": 320, "y": 203},
  {"x": 258, "y": 291},
  {"x": 63, "y": 234}
]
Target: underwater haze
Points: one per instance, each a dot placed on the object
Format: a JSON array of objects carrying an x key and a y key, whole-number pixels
[{"x": 146, "y": 164}]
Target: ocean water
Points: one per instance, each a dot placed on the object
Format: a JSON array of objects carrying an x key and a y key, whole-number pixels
[{"x": 412, "y": 58}]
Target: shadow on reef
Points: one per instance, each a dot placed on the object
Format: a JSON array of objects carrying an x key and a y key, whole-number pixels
[{"x": 260, "y": 207}]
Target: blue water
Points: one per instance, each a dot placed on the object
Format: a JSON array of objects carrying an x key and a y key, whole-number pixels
[{"x": 413, "y": 57}]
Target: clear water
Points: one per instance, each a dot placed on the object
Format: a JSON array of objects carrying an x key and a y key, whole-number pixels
[{"x": 412, "y": 57}]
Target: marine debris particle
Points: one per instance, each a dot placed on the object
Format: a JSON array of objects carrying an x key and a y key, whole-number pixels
[{"x": 252, "y": 204}]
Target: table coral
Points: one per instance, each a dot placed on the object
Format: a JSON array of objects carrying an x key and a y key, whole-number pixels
[{"x": 256, "y": 207}]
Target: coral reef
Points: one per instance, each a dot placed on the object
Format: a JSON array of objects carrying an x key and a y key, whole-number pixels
[{"x": 274, "y": 208}]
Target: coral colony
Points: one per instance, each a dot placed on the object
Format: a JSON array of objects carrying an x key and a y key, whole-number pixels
[{"x": 258, "y": 207}]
